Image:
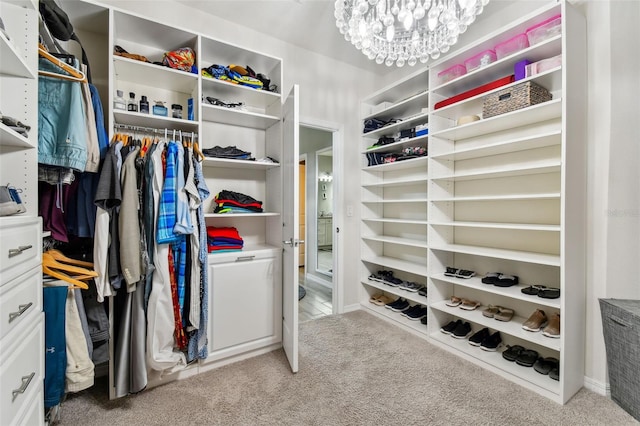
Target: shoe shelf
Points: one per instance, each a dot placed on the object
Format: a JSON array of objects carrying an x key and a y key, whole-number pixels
[
  {"x": 395, "y": 146},
  {"x": 499, "y": 225},
  {"x": 229, "y": 92},
  {"x": 146, "y": 74},
  {"x": 398, "y": 264},
  {"x": 236, "y": 117},
  {"x": 155, "y": 121},
  {"x": 403, "y": 107},
  {"x": 396, "y": 240},
  {"x": 396, "y": 127},
  {"x": 531, "y": 115},
  {"x": 237, "y": 164},
  {"x": 515, "y": 197},
  {"x": 512, "y": 328},
  {"x": 515, "y": 255},
  {"x": 396, "y": 182},
  {"x": 396, "y": 220},
  {"x": 13, "y": 63},
  {"x": 513, "y": 292},
  {"x": 542, "y": 167},
  {"x": 503, "y": 147},
  {"x": 396, "y": 317},
  {"x": 525, "y": 376},
  {"x": 396, "y": 201},
  {"x": 10, "y": 138},
  {"x": 398, "y": 91},
  {"x": 399, "y": 165},
  {"x": 397, "y": 291}
]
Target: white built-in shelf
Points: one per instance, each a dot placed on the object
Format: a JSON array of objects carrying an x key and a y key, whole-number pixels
[
  {"x": 411, "y": 242},
  {"x": 395, "y": 201},
  {"x": 154, "y": 121},
  {"x": 394, "y": 220},
  {"x": 550, "y": 80},
  {"x": 237, "y": 117},
  {"x": 247, "y": 250},
  {"x": 494, "y": 362},
  {"x": 397, "y": 291},
  {"x": 400, "y": 89},
  {"x": 396, "y": 182},
  {"x": 503, "y": 147},
  {"x": 500, "y": 68},
  {"x": 511, "y": 197},
  {"x": 402, "y": 108},
  {"x": 152, "y": 75},
  {"x": 397, "y": 317},
  {"x": 10, "y": 138},
  {"x": 513, "y": 292},
  {"x": 517, "y": 255},
  {"x": 512, "y": 328},
  {"x": 396, "y": 127},
  {"x": 396, "y": 146},
  {"x": 510, "y": 120},
  {"x": 499, "y": 225},
  {"x": 541, "y": 168},
  {"x": 229, "y": 92},
  {"x": 12, "y": 63},
  {"x": 399, "y": 165},
  {"x": 237, "y": 164},
  {"x": 399, "y": 264},
  {"x": 236, "y": 215}
]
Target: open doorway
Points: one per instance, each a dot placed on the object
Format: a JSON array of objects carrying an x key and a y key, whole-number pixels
[{"x": 318, "y": 277}]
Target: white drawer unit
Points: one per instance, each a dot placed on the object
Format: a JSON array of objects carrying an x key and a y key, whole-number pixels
[
  {"x": 19, "y": 300},
  {"x": 22, "y": 370},
  {"x": 19, "y": 246},
  {"x": 245, "y": 302}
]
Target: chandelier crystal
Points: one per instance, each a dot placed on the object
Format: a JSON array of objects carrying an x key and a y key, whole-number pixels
[{"x": 405, "y": 31}]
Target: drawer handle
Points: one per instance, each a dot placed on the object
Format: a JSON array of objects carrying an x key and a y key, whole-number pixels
[
  {"x": 244, "y": 258},
  {"x": 19, "y": 250},
  {"x": 26, "y": 380},
  {"x": 21, "y": 310}
]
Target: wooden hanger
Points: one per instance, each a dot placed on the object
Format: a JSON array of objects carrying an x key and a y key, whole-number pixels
[
  {"x": 49, "y": 261},
  {"x": 59, "y": 256},
  {"x": 75, "y": 75},
  {"x": 75, "y": 283}
]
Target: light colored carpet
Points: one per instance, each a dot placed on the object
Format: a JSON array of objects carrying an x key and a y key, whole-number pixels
[{"x": 355, "y": 369}]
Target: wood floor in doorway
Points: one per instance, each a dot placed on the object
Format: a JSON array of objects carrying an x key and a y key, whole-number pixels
[{"x": 316, "y": 303}]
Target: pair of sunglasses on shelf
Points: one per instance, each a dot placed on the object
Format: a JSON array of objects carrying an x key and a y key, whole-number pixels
[{"x": 218, "y": 102}]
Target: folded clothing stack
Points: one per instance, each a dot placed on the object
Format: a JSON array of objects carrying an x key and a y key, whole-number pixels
[
  {"x": 223, "y": 239},
  {"x": 235, "y": 202},
  {"x": 230, "y": 152}
]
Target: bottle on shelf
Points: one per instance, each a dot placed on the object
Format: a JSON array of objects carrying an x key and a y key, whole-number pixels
[
  {"x": 132, "y": 105},
  {"x": 176, "y": 111},
  {"x": 118, "y": 102},
  {"x": 160, "y": 109},
  {"x": 144, "y": 105}
]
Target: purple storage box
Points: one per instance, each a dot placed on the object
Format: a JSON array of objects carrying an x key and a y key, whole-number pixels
[
  {"x": 480, "y": 60},
  {"x": 512, "y": 45},
  {"x": 520, "y": 69}
]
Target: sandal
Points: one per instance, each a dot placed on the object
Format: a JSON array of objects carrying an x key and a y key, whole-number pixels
[
  {"x": 527, "y": 358},
  {"x": 451, "y": 272},
  {"x": 549, "y": 293},
  {"x": 512, "y": 352},
  {"x": 454, "y": 301},
  {"x": 533, "y": 290},
  {"x": 374, "y": 299},
  {"x": 491, "y": 277},
  {"x": 382, "y": 300},
  {"x": 469, "y": 305},
  {"x": 504, "y": 314},
  {"x": 491, "y": 311},
  {"x": 545, "y": 365},
  {"x": 506, "y": 280},
  {"x": 463, "y": 273}
]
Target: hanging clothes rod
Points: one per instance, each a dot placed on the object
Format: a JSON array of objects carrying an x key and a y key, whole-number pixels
[{"x": 152, "y": 130}]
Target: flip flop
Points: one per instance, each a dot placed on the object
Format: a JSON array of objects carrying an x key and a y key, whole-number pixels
[
  {"x": 454, "y": 301},
  {"x": 382, "y": 300},
  {"x": 504, "y": 314},
  {"x": 469, "y": 305},
  {"x": 527, "y": 358}
]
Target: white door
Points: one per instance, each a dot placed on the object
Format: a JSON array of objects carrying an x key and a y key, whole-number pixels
[{"x": 290, "y": 230}]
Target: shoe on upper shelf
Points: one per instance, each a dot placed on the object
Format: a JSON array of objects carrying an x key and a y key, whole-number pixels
[{"x": 553, "y": 328}]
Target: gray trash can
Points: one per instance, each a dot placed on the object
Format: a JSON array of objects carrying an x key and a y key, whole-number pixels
[{"x": 621, "y": 328}]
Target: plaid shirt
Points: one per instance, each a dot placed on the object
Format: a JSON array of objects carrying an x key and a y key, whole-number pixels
[{"x": 168, "y": 199}]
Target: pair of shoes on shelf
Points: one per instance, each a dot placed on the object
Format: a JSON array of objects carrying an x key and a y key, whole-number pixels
[
  {"x": 538, "y": 320},
  {"x": 462, "y": 303},
  {"x": 380, "y": 299},
  {"x": 398, "y": 305},
  {"x": 415, "y": 312},
  {"x": 486, "y": 340},
  {"x": 500, "y": 280},
  {"x": 10, "y": 201},
  {"x": 521, "y": 355},
  {"x": 498, "y": 313},
  {"x": 423, "y": 291},
  {"x": 548, "y": 366},
  {"x": 542, "y": 291},
  {"x": 409, "y": 286},
  {"x": 458, "y": 273},
  {"x": 457, "y": 329}
]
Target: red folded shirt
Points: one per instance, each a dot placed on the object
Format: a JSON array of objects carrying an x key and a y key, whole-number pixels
[
  {"x": 476, "y": 91},
  {"x": 229, "y": 232}
]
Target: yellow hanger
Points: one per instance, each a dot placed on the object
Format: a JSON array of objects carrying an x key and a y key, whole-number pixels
[
  {"x": 49, "y": 261},
  {"x": 75, "y": 75},
  {"x": 59, "y": 256},
  {"x": 75, "y": 283}
]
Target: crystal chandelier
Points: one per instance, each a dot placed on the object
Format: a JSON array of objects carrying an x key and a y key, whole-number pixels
[{"x": 405, "y": 31}]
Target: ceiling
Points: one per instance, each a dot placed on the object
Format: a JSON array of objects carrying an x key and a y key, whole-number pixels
[{"x": 309, "y": 24}]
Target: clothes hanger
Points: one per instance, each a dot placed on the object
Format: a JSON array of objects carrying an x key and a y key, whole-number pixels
[
  {"x": 50, "y": 262},
  {"x": 75, "y": 75},
  {"x": 59, "y": 256},
  {"x": 75, "y": 283}
]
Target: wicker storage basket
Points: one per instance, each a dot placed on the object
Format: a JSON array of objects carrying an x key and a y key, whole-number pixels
[
  {"x": 621, "y": 329},
  {"x": 514, "y": 98}
]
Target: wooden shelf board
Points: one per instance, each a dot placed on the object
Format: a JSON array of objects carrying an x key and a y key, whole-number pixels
[
  {"x": 237, "y": 164},
  {"x": 154, "y": 121},
  {"x": 403, "y": 265},
  {"x": 396, "y": 201},
  {"x": 236, "y": 117},
  {"x": 514, "y": 197},
  {"x": 396, "y": 182},
  {"x": 397, "y": 291},
  {"x": 548, "y": 167},
  {"x": 394, "y": 128},
  {"x": 234, "y": 215},
  {"x": 399, "y": 165},
  {"x": 152, "y": 75},
  {"x": 498, "y": 225},
  {"x": 395, "y": 146},
  {"x": 10, "y": 138},
  {"x": 519, "y": 256},
  {"x": 392, "y": 220},
  {"x": 229, "y": 92},
  {"x": 396, "y": 240}
]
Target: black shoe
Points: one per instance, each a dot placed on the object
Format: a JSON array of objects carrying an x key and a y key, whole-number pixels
[
  {"x": 462, "y": 331},
  {"x": 401, "y": 306},
  {"x": 423, "y": 320},
  {"x": 448, "y": 329},
  {"x": 423, "y": 291},
  {"x": 491, "y": 343},
  {"x": 491, "y": 277},
  {"x": 512, "y": 352},
  {"x": 393, "y": 304},
  {"x": 409, "y": 310},
  {"x": 416, "y": 314},
  {"x": 451, "y": 272},
  {"x": 478, "y": 337}
]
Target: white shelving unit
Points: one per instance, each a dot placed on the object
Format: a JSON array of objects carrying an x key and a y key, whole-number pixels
[{"x": 502, "y": 194}]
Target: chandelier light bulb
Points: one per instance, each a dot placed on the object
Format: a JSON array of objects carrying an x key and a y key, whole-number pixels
[{"x": 405, "y": 31}]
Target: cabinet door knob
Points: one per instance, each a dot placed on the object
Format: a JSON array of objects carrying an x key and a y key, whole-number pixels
[
  {"x": 26, "y": 380},
  {"x": 21, "y": 310},
  {"x": 19, "y": 250}
]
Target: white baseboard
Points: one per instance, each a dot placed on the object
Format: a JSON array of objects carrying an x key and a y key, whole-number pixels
[
  {"x": 351, "y": 308},
  {"x": 601, "y": 388}
]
